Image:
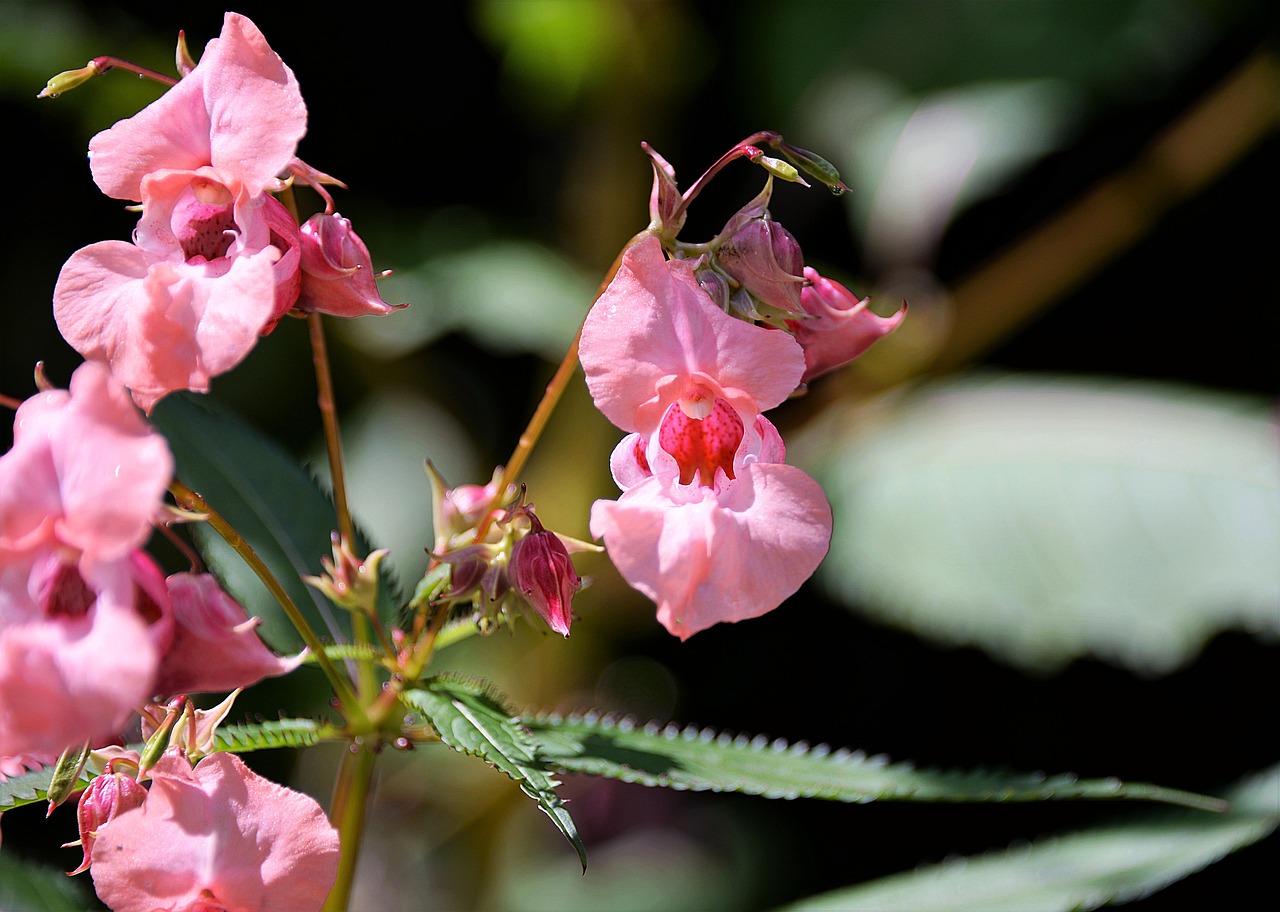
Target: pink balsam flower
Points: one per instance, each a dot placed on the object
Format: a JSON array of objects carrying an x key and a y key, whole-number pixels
[
  {"x": 711, "y": 525},
  {"x": 215, "y": 260},
  {"x": 840, "y": 326},
  {"x": 218, "y": 836},
  {"x": 84, "y": 615}
]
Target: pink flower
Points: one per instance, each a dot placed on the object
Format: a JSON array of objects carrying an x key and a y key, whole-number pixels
[
  {"x": 841, "y": 328},
  {"x": 84, "y": 615},
  {"x": 711, "y": 525},
  {"x": 215, "y": 646},
  {"x": 218, "y": 836},
  {"x": 337, "y": 271},
  {"x": 215, "y": 259},
  {"x": 78, "y": 652}
]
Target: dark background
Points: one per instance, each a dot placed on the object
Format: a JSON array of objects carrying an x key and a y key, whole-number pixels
[{"x": 417, "y": 111}]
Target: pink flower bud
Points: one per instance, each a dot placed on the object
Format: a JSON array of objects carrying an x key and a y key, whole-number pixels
[
  {"x": 665, "y": 203},
  {"x": 107, "y": 797},
  {"x": 839, "y": 328},
  {"x": 767, "y": 261},
  {"x": 215, "y": 645},
  {"x": 337, "y": 271},
  {"x": 543, "y": 574}
]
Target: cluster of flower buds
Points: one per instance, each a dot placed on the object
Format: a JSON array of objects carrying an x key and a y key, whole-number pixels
[
  {"x": 686, "y": 349},
  {"x": 216, "y": 259},
  {"x": 494, "y": 556},
  {"x": 754, "y": 268}
]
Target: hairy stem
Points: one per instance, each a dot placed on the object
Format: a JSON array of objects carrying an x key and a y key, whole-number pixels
[{"x": 366, "y": 680}]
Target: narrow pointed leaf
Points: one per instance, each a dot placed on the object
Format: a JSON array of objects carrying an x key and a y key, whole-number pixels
[
  {"x": 271, "y": 501},
  {"x": 1085, "y": 870},
  {"x": 241, "y": 739},
  {"x": 702, "y": 759},
  {"x": 471, "y": 718},
  {"x": 33, "y": 787}
]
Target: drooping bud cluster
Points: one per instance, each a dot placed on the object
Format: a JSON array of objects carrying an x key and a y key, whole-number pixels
[
  {"x": 495, "y": 556},
  {"x": 754, "y": 268}
]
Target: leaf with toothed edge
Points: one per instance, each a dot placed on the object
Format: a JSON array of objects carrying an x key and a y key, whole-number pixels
[
  {"x": 1117, "y": 863},
  {"x": 472, "y": 718},
  {"x": 704, "y": 760},
  {"x": 33, "y": 787}
]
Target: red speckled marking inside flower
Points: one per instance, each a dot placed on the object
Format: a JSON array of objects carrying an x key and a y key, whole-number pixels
[
  {"x": 702, "y": 445},
  {"x": 64, "y": 593},
  {"x": 204, "y": 223}
]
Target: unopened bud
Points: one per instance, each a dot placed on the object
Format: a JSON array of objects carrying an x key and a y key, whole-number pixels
[
  {"x": 775, "y": 166},
  {"x": 66, "y": 775},
  {"x": 813, "y": 165},
  {"x": 106, "y": 798},
  {"x": 666, "y": 206},
  {"x": 543, "y": 574},
  {"x": 766, "y": 260},
  {"x": 71, "y": 79},
  {"x": 182, "y": 55}
]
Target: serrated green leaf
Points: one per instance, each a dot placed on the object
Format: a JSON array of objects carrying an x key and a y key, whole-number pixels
[
  {"x": 266, "y": 735},
  {"x": 1084, "y": 870},
  {"x": 27, "y": 887},
  {"x": 271, "y": 501},
  {"x": 471, "y": 718},
  {"x": 702, "y": 759},
  {"x": 1045, "y": 518},
  {"x": 32, "y": 788}
]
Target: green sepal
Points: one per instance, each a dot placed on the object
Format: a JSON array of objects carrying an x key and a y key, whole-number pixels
[{"x": 66, "y": 774}]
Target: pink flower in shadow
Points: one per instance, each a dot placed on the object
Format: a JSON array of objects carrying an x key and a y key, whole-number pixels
[{"x": 84, "y": 615}]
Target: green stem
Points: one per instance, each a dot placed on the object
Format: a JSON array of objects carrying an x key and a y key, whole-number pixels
[
  {"x": 190, "y": 500},
  {"x": 348, "y": 812}
]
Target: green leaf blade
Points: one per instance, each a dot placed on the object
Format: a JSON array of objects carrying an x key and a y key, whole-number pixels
[
  {"x": 1047, "y": 518},
  {"x": 471, "y": 718},
  {"x": 270, "y": 500},
  {"x": 1084, "y": 870},
  {"x": 703, "y": 760}
]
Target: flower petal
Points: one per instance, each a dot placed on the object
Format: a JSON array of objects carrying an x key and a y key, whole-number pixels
[
  {"x": 707, "y": 556},
  {"x": 218, "y": 833},
  {"x": 240, "y": 110},
  {"x": 654, "y": 330}
]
